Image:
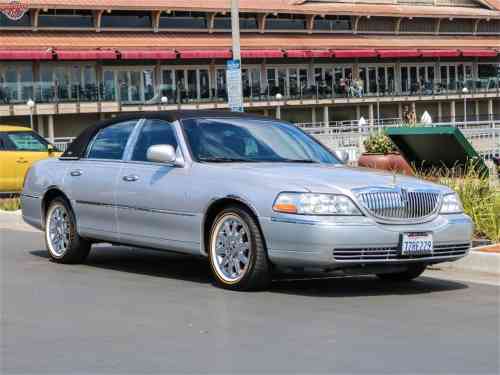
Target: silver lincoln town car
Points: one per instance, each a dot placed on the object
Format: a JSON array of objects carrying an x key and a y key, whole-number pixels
[{"x": 250, "y": 193}]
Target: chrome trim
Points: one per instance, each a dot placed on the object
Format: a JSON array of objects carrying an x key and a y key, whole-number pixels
[
  {"x": 399, "y": 204},
  {"x": 30, "y": 196},
  {"x": 124, "y": 207}
]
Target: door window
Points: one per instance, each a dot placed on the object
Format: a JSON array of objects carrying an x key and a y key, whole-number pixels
[
  {"x": 22, "y": 141},
  {"x": 110, "y": 142},
  {"x": 154, "y": 132}
]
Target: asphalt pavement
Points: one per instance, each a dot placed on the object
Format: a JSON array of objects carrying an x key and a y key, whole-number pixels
[{"x": 143, "y": 312}]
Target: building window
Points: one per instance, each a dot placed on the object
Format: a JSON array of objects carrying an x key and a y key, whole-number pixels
[
  {"x": 247, "y": 22},
  {"x": 286, "y": 22},
  {"x": 67, "y": 82},
  {"x": 66, "y": 18},
  {"x": 25, "y": 21},
  {"x": 126, "y": 19},
  {"x": 184, "y": 20},
  {"x": 332, "y": 24},
  {"x": 16, "y": 83}
]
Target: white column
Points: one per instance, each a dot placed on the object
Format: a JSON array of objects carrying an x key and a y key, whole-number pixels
[
  {"x": 313, "y": 115},
  {"x": 400, "y": 111},
  {"x": 477, "y": 109},
  {"x": 452, "y": 111},
  {"x": 370, "y": 114},
  {"x": 41, "y": 126},
  {"x": 490, "y": 109},
  {"x": 440, "y": 111},
  {"x": 358, "y": 112},
  {"x": 326, "y": 115},
  {"x": 278, "y": 112},
  {"x": 51, "y": 128}
]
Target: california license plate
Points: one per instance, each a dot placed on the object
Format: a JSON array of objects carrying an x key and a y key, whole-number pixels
[{"x": 417, "y": 244}]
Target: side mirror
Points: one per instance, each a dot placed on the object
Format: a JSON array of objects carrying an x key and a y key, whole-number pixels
[
  {"x": 162, "y": 154},
  {"x": 51, "y": 149},
  {"x": 342, "y": 155}
]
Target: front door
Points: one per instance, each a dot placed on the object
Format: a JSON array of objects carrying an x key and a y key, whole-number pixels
[
  {"x": 18, "y": 151},
  {"x": 150, "y": 196},
  {"x": 92, "y": 182}
]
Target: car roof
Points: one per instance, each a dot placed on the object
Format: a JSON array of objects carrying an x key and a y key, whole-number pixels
[
  {"x": 79, "y": 145},
  {"x": 13, "y": 128}
]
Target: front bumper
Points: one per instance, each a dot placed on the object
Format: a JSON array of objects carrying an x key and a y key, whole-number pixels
[{"x": 343, "y": 242}]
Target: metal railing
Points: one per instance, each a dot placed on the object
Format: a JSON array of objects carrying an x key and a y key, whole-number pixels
[
  {"x": 349, "y": 135},
  {"x": 55, "y": 92}
]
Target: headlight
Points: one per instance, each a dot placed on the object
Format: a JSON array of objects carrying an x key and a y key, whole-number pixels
[
  {"x": 315, "y": 204},
  {"x": 451, "y": 204}
]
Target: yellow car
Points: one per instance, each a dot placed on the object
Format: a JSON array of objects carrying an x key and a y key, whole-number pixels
[{"x": 19, "y": 149}]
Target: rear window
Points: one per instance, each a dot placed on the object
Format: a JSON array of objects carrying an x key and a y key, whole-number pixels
[{"x": 22, "y": 141}]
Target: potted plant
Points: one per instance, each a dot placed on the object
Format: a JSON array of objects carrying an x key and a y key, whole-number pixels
[{"x": 381, "y": 153}]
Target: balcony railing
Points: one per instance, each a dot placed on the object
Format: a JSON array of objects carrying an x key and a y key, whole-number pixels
[{"x": 53, "y": 92}]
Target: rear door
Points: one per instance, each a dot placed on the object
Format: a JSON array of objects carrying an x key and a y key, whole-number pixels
[{"x": 92, "y": 181}]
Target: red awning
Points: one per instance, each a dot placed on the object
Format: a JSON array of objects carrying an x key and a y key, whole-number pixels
[
  {"x": 25, "y": 55},
  {"x": 398, "y": 53},
  {"x": 87, "y": 55},
  {"x": 440, "y": 53},
  {"x": 262, "y": 53},
  {"x": 205, "y": 54},
  {"x": 148, "y": 55},
  {"x": 354, "y": 53},
  {"x": 479, "y": 53},
  {"x": 306, "y": 53}
]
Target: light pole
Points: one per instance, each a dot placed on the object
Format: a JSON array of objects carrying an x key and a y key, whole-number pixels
[
  {"x": 31, "y": 105},
  {"x": 164, "y": 101},
  {"x": 465, "y": 91},
  {"x": 279, "y": 97}
]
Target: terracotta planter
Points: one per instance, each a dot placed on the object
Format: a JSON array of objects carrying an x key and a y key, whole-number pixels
[{"x": 388, "y": 162}]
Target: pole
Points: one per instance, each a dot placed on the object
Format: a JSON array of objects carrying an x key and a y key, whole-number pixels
[
  {"x": 235, "y": 28},
  {"x": 31, "y": 118}
]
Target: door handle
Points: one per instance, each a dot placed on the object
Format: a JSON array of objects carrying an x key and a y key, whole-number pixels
[
  {"x": 130, "y": 178},
  {"x": 76, "y": 173},
  {"x": 21, "y": 161}
]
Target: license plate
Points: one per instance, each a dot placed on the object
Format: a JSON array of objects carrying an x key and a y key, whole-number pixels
[{"x": 417, "y": 244}]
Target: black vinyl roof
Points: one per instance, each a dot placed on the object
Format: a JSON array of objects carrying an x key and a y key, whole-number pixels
[{"x": 77, "y": 148}]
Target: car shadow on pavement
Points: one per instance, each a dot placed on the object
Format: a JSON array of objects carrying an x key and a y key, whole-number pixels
[{"x": 196, "y": 269}]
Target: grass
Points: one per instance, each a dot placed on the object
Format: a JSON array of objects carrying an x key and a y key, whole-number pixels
[
  {"x": 480, "y": 197},
  {"x": 10, "y": 204}
]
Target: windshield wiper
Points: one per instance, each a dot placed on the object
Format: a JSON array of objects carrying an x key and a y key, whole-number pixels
[
  {"x": 226, "y": 160},
  {"x": 309, "y": 161}
]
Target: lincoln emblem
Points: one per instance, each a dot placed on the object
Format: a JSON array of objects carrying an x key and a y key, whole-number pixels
[{"x": 14, "y": 10}]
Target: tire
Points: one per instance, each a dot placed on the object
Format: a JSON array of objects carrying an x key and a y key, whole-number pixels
[
  {"x": 234, "y": 237},
  {"x": 413, "y": 271},
  {"x": 73, "y": 249}
]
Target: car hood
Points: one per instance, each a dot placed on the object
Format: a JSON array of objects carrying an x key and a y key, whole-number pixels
[{"x": 323, "y": 178}]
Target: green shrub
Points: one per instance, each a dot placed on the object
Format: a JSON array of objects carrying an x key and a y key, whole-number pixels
[
  {"x": 379, "y": 144},
  {"x": 480, "y": 198}
]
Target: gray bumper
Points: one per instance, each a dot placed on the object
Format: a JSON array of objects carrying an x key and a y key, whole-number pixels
[{"x": 303, "y": 241}]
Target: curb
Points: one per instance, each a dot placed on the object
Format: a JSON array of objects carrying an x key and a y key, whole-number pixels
[{"x": 477, "y": 261}]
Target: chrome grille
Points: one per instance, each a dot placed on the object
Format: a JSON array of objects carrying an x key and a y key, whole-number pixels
[
  {"x": 383, "y": 253},
  {"x": 399, "y": 204}
]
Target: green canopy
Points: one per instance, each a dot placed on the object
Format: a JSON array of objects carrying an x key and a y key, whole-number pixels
[{"x": 435, "y": 147}]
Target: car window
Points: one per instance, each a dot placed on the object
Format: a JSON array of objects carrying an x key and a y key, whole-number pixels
[
  {"x": 110, "y": 142},
  {"x": 252, "y": 140},
  {"x": 22, "y": 141},
  {"x": 153, "y": 132}
]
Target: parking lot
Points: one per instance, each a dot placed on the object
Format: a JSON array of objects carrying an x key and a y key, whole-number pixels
[{"x": 129, "y": 311}]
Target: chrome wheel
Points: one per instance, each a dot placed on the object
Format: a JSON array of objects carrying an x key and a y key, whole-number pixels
[
  {"x": 58, "y": 230},
  {"x": 230, "y": 248}
]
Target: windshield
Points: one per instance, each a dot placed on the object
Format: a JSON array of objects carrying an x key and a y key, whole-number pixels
[{"x": 252, "y": 140}]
